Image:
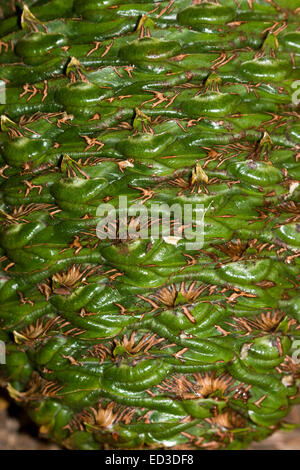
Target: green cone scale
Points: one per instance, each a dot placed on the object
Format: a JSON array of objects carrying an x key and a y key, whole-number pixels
[{"x": 141, "y": 343}]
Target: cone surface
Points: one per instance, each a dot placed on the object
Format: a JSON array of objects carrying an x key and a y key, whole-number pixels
[{"x": 133, "y": 342}]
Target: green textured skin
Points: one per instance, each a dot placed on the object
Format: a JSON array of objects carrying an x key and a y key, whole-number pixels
[{"x": 140, "y": 343}]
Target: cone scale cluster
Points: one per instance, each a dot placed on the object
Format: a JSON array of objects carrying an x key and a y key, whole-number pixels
[{"x": 139, "y": 343}]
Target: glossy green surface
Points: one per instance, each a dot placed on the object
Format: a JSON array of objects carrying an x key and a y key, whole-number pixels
[{"x": 141, "y": 343}]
